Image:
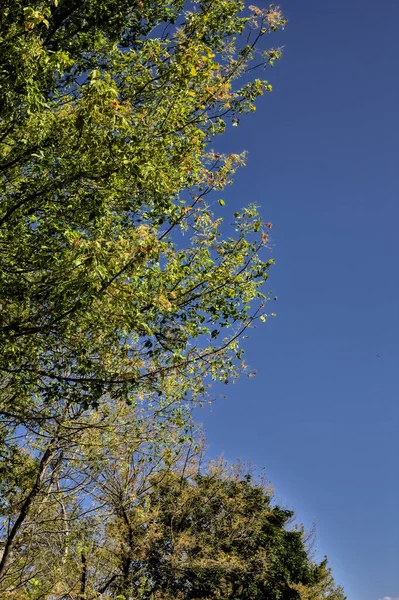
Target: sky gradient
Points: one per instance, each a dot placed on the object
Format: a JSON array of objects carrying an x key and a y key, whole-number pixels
[{"x": 322, "y": 414}]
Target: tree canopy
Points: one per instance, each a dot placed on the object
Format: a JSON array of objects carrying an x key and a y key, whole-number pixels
[{"x": 115, "y": 274}]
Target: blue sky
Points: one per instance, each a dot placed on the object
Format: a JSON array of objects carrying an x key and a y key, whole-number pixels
[{"x": 322, "y": 414}]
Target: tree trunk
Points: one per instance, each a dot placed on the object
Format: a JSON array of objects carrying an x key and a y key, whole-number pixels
[{"x": 46, "y": 458}]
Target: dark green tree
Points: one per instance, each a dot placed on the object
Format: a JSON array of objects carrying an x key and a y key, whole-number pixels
[{"x": 215, "y": 534}]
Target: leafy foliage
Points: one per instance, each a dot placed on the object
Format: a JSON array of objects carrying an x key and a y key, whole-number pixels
[
  {"x": 107, "y": 111},
  {"x": 217, "y": 535}
]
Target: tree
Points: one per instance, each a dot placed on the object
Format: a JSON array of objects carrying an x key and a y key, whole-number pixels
[
  {"x": 53, "y": 506},
  {"x": 214, "y": 533},
  {"x": 108, "y": 109},
  {"x": 144, "y": 516}
]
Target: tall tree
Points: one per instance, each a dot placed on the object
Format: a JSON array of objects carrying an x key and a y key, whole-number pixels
[
  {"x": 53, "y": 506},
  {"x": 107, "y": 112}
]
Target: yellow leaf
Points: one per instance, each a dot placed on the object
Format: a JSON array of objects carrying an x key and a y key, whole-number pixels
[{"x": 193, "y": 71}]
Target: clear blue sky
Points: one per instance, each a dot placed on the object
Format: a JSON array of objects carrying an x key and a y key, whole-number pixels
[{"x": 322, "y": 414}]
